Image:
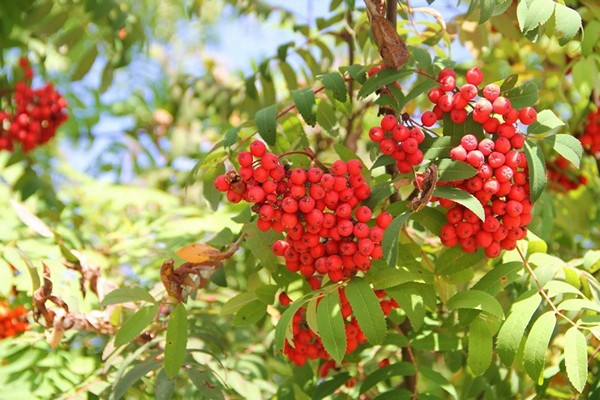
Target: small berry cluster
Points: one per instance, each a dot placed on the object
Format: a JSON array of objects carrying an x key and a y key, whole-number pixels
[
  {"x": 501, "y": 184},
  {"x": 493, "y": 111},
  {"x": 591, "y": 134},
  {"x": 399, "y": 141},
  {"x": 12, "y": 320},
  {"x": 325, "y": 228},
  {"x": 308, "y": 346},
  {"x": 562, "y": 177},
  {"x": 36, "y": 115}
]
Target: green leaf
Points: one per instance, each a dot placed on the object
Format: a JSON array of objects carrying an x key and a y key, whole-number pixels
[
  {"x": 135, "y": 325},
  {"x": 413, "y": 298},
  {"x": 421, "y": 56},
  {"x": 525, "y": 95},
  {"x": 366, "y": 309},
  {"x": 84, "y": 63},
  {"x": 231, "y": 136},
  {"x": 579, "y": 305},
  {"x": 486, "y": 9},
  {"x": 555, "y": 288},
  {"x": 326, "y": 388},
  {"x": 450, "y": 170},
  {"x": 127, "y": 294},
  {"x": 479, "y": 356},
  {"x": 304, "y": 99},
  {"x": 439, "y": 380},
  {"x": 576, "y": 358},
  {"x": 382, "y": 161},
  {"x": 537, "y": 343},
  {"x": 437, "y": 147},
  {"x": 266, "y": 123},
  {"x": 423, "y": 87},
  {"x": 432, "y": 218},
  {"x": 250, "y": 314},
  {"x": 476, "y": 300},
  {"x": 538, "y": 13},
  {"x": 345, "y": 153},
  {"x": 455, "y": 260},
  {"x": 237, "y": 302},
  {"x": 133, "y": 375},
  {"x": 335, "y": 82},
  {"x": 567, "y": 146},
  {"x": 326, "y": 117},
  {"x": 509, "y": 83},
  {"x": 290, "y": 76},
  {"x": 512, "y": 331},
  {"x": 163, "y": 386},
  {"x": 389, "y": 243},
  {"x": 591, "y": 36},
  {"x": 387, "y": 277},
  {"x": 537, "y": 170},
  {"x": 567, "y": 23},
  {"x": 331, "y": 326},
  {"x": 177, "y": 335},
  {"x": 284, "y": 324},
  {"x": 401, "y": 368},
  {"x": 206, "y": 383},
  {"x": 356, "y": 72},
  {"x": 260, "y": 243},
  {"x": 499, "y": 277},
  {"x": 546, "y": 121},
  {"x": 461, "y": 197},
  {"x": 380, "y": 79}
]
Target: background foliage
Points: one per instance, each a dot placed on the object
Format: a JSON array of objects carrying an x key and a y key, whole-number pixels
[{"x": 155, "y": 117}]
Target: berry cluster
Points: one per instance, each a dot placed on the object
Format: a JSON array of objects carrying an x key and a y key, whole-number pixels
[
  {"x": 35, "y": 115},
  {"x": 399, "y": 141},
  {"x": 501, "y": 184},
  {"x": 562, "y": 177},
  {"x": 308, "y": 346},
  {"x": 326, "y": 231},
  {"x": 12, "y": 320},
  {"x": 591, "y": 134},
  {"x": 492, "y": 111}
]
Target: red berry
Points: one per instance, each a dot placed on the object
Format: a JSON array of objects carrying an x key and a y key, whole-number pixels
[
  {"x": 474, "y": 76},
  {"x": 258, "y": 148},
  {"x": 388, "y": 122}
]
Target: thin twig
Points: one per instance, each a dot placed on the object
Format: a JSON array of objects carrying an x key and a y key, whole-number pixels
[{"x": 541, "y": 290}]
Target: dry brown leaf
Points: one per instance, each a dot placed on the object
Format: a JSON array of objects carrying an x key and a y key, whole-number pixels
[
  {"x": 199, "y": 253},
  {"x": 391, "y": 46},
  {"x": 430, "y": 178}
]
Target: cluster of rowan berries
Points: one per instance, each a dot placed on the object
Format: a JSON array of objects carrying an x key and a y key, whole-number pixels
[
  {"x": 591, "y": 134},
  {"x": 492, "y": 111},
  {"x": 307, "y": 345},
  {"x": 326, "y": 230},
  {"x": 501, "y": 184},
  {"x": 399, "y": 141},
  {"x": 35, "y": 114},
  {"x": 562, "y": 177},
  {"x": 12, "y": 320}
]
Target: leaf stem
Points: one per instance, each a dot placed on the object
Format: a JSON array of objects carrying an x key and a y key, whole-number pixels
[{"x": 541, "y": 290}]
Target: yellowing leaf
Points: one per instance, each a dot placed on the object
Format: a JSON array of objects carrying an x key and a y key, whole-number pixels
[{"x": 199, "y": 253}]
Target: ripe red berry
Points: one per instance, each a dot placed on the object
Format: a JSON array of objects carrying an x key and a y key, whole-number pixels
[
  {"x": 527, "y": 115},
  {"x": 388, "y": 122},
  {"x": 258, "y": 148},
  {"x": 384, "y": 219},
  {"x": 491, "y": 91},
  {"x": 428, "y": 118},
  {"x": 474, "y": 76}
]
